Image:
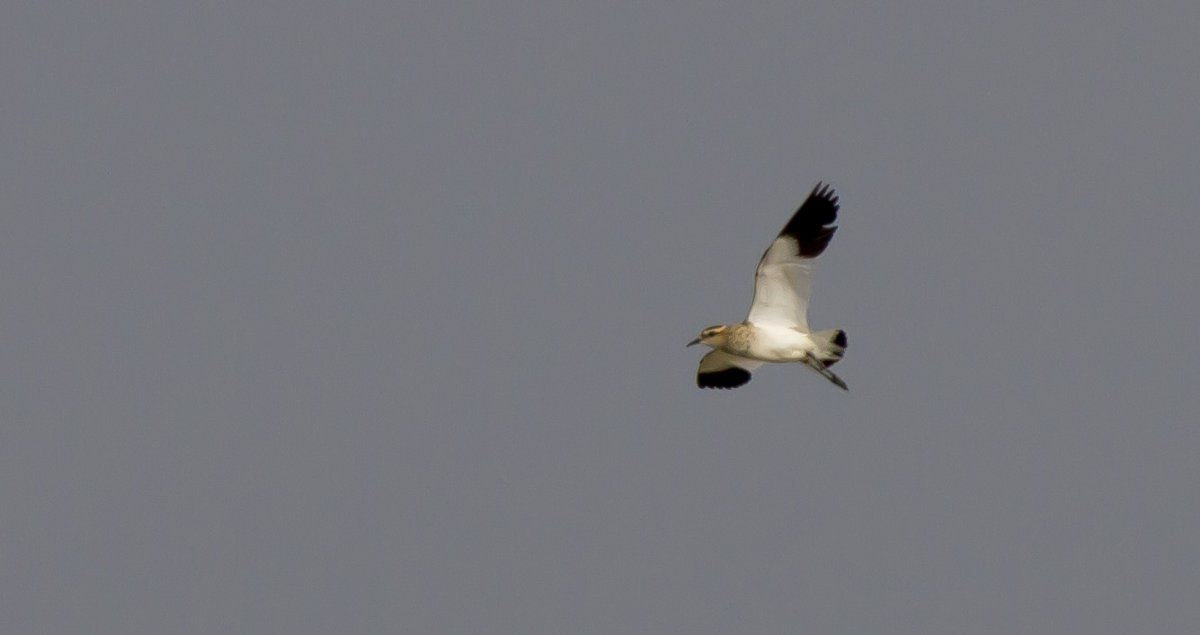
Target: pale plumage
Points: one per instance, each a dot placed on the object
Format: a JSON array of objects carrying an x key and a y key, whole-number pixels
[{"x": 776, "y": 329}]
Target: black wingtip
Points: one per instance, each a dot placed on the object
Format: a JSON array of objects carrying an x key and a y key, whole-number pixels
[
  {"x": 825, "y": 192},
  {"x": 812, "y": 224},
  {"x": 723, "y": 379}
]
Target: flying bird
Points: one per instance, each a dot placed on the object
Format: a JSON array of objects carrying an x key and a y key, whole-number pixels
[{"x": 776, "y": 330}]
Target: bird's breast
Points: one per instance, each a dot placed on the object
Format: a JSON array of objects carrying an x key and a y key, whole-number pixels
[{"x": 776, "y": 344}]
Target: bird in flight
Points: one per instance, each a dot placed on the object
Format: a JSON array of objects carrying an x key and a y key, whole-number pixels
[{"x": 776, "y": 330}]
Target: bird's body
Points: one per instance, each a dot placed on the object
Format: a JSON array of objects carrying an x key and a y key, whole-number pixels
[
  {"x": 776, "y": 329},
  {"x": 768, "y": 343}
]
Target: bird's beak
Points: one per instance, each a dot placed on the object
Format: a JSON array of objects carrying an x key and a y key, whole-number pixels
[{"x": 693, "y": 342}]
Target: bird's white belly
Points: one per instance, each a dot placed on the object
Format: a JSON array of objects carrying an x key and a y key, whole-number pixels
[{"x": 779, "y": 344}]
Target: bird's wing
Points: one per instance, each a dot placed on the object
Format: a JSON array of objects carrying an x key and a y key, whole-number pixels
[
  {"x": 783, "y": 280},
  {"x": 719, "y": 369}
]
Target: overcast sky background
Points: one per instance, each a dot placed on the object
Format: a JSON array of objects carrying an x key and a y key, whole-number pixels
[{"x": 358, "y": 318}]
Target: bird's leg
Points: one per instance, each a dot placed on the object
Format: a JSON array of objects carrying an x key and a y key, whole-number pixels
[{"x": 818, "y": 366}]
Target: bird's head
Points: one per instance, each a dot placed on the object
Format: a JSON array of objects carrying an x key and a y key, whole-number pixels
[{"x": 713, "y": 336}]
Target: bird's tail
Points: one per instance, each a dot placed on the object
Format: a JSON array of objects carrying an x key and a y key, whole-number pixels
[{"x": 831, "y": 345}]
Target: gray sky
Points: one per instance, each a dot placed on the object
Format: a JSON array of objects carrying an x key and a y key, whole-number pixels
[{"x": 367, "y": 318}]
